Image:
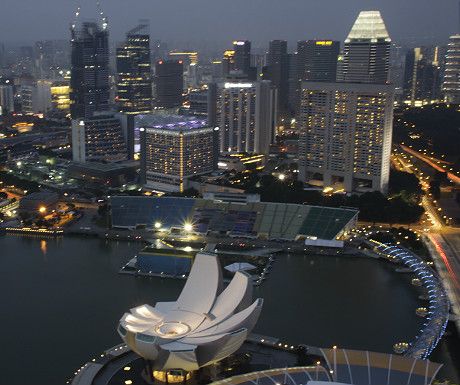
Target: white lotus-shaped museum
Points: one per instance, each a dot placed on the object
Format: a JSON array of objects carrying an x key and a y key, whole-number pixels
[{"x": 203, "y": 326}]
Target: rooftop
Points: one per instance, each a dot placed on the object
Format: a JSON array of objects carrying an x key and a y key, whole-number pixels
[
  {"x": 98, "y": 166},
  {"x": 368, "y": 25},
  {"x": 170, "y": 122}
]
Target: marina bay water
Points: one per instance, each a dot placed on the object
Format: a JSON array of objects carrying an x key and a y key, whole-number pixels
[{"x": 62, "y": 299}]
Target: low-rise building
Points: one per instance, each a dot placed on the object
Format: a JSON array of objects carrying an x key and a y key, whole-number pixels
[{"x": 39, "y": 202}]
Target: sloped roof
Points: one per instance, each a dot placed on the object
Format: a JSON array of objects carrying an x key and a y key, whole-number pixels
[{"x": 368, "y": 26}]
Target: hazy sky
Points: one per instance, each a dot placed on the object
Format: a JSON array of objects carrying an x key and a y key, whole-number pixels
[{"x": 221, "y": 21}]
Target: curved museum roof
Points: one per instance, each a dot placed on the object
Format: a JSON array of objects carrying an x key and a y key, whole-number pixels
[{"x": 204, "y": 325}]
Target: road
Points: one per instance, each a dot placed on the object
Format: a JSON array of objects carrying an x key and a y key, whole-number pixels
[
  {"x": 444, "y": 241},
  {"x": 433, "y": 162},
  {"x": 446, "y": 260}
]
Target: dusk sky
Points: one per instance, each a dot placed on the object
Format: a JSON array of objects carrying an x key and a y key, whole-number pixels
[{"x": 26, "y": 21}]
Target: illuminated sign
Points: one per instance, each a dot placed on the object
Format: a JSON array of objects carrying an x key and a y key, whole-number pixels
[
  {"x": 323, "y": 42},
  {"x": 238, "y": 85},
  {"x": 239, "y": 42}
]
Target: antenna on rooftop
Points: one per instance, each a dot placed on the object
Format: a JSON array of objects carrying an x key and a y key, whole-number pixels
[
  {"x": 74, "y": 22},
  {"x": 104, "y": 18}
]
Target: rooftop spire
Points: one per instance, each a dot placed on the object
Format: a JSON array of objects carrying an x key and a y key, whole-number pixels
[{"x": 368, "y": 25}]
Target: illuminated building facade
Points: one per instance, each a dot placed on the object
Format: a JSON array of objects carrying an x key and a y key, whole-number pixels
[
  {"x": 60, "y": 96},
  {"x": 186, "y": 57},
  {"x": 228, "y": 62},
  {"x": 421, "y": 77},
  {"x": 316, "y": 61},
  {"x": 134, "y": 85},
  {"x": 174, "y": 148},
  {"x": 345, "y": 135},
  {"x": 169, "y": 83},
  {"x": 89, "y": 82},
  {"x": 244, "y": 112},
  {"x": 238, "y": 61},
  {"x": 99, "y": 138},
  {"x": 451, "y": 81},
  {"x": 367, "y": 50}
]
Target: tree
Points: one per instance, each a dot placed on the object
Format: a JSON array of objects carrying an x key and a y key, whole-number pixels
[
  {"x": 442, "y": 177},
  {"x": 435, "y": 189},
  {"x": 372, "y": 206},
  {"x": 404, "y": 181}
]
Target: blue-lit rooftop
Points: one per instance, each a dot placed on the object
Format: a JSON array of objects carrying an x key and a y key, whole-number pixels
[{"x": 170, "y": 122}]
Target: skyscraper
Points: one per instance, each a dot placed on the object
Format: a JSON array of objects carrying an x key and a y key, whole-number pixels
[
  {"x": 451, "y": 81},
  {"x": 169, "y": 83},
  {"x": 278, "y": 73},
  {"x": 316, "y": 61},
  {"x": 345, "y": 135},
  {"x": 6, "y": 99},
  {"x": 228, "y": 62},
  {"x": 421, "y": 77},
  {"x": 244, "y": 113},
  {"x": 242, "y": 57},
  {"x": 367, "y": 50},
  {"x": 134, "y": 84},
  {"x": 174, "y": 148},
  {"x": 89, "y": 81}
]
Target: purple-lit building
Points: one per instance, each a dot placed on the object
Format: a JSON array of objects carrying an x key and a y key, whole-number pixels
[{"x": 175, "y": 148}]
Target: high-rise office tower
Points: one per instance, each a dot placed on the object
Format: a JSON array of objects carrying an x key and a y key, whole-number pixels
[
  {"x": 421, "y": 77},
  {"x": 6, "y": 99},
  {"x": 242, "y": 57},
  {"x": 175, "y": 148},
  {"x": 316, "y": 61},
  {"x": 134, "y": 84},
  {"x": 2, "y": 56},
  {"x": 367, "y": 50},
  {"x": 228, "y": 62},
  {"x": 293, "y": 83},
  {"x": 244, "y": 112},
  {"x": 345, "y": 135},
  {"x": 45, "y": 58},
  {"x": 277, "y": 72},
  {"x": 169, "y": 83},
  {"x": 99, "y": 138},
  {"x": 186, "y": 57},
  {"x": 89, "y": 81},
  {"x": 28, "y": 99},
  {"x": 26, "y": 64},
  {"x": 451, "y": 81}
]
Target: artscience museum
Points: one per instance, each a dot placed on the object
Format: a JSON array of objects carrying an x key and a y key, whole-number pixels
[{"x": 204, "y": 325}]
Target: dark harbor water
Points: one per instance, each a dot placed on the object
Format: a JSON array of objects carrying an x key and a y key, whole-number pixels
[{"x": 62, "y": 298}]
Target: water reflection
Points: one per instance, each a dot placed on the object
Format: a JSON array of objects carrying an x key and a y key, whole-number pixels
[{"x": 43, "y": 247}]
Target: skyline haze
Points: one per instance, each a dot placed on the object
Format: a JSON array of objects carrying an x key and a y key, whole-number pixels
[{"x": 208, "y": 22}]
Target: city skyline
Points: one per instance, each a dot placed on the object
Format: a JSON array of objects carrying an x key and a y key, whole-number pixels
[{"x": 208, "y": 23}]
